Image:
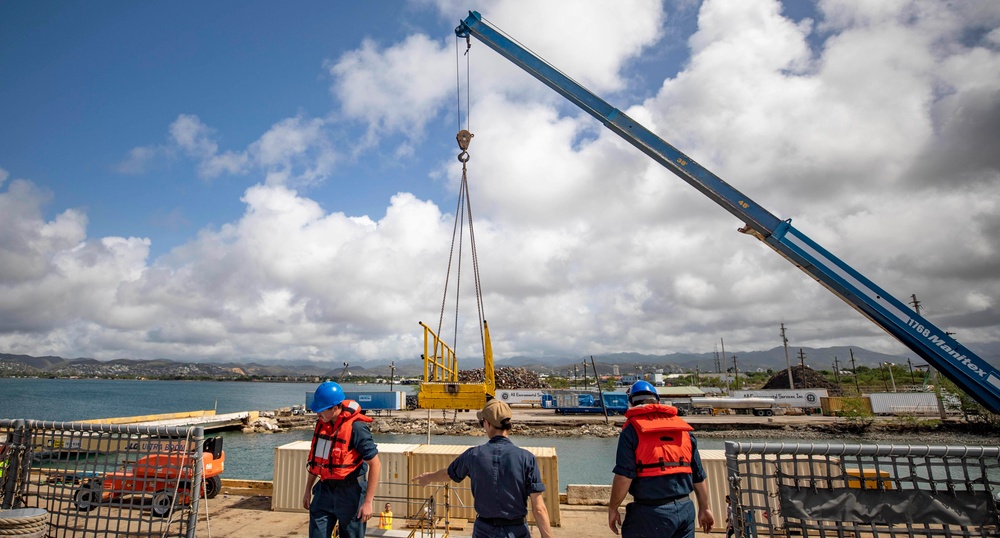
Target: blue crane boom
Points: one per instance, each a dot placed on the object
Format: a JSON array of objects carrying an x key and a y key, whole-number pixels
[{"x": 967, "y": 370}]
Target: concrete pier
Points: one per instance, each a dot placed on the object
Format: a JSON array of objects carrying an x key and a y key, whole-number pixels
[
  {"x": 207, "y": 419},
  {"x": 244, "y": 509}
]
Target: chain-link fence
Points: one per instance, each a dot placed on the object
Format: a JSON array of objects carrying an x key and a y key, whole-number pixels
[
  {"x": 853, "y": 490},
  {"x": 111, "y": 480}
]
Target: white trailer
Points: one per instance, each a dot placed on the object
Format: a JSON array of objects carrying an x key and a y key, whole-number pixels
[
  {"x": 761, "y": 407},
  {"x": 800, "y": 398}
]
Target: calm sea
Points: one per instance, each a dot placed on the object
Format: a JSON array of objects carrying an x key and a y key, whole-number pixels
[
  {"x": 250, "y": 456},
  {"x": 586, "y": 460}
]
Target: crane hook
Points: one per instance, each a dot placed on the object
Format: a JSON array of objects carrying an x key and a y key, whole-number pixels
[{"x": 464, "y": 137}]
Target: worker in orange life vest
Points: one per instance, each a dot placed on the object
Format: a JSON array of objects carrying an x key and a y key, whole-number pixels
[
  {"x": 658, "y": 463},
  {"x": 344, "y": 459}
]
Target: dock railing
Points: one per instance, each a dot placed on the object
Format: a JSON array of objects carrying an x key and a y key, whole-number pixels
[{"x": 856, "y": 490}]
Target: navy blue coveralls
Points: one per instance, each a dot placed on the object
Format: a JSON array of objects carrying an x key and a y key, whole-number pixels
[
  {"x": 662, "y": 507},
  {"x": 502, "y": 476}
]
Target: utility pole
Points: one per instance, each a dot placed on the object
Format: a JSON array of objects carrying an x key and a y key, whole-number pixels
[
  {"x": 576, "y": 370},
  {"x": 724, "y": 361},
  {"x": 910, "y": 365},
  {"x": 915, "y": 304},
  {"x": 585, "y": 385},
  {"x": 784, "y": 341},
  {"x": 854, "y": 367},
  {"x": 836, "y": 370},
  {"x": 802, "y": 368},
  {"x": 392, "y": 378},
  {"x": 892, "y": 379},
  {"x": 736, "y": 372},
  {"x": 882, "y": 371}
]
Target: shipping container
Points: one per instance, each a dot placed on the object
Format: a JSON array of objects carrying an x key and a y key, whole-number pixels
[
  {"x": 429, "y": 458},
  {"x": 394, "y": 480},
  {"x": 290, "y": 475},
  {"x": 840, "y": 406},
  {"x": 717, "y": 480},
  {"x": 378, "y": 400},
  {"x": 562, "y": 398},
  {"x": 563, "y": 403},
  {"x": 904, "y": 403},
  {"x": 371, "y": 400}
]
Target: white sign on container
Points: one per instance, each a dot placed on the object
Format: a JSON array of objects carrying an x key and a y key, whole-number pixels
[
  {"x": 801, "y": 398},
  {"x": 520, "y": 397}
]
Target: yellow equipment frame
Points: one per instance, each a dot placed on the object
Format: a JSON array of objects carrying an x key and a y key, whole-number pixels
[{"x": 441, "y": 388}]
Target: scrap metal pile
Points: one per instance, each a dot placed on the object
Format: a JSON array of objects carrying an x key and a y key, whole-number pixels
[{"x": 507, "y": 378}]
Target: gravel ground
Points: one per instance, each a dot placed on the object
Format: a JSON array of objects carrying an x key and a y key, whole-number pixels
[
  {"x": 542, "y": 423},
  {"x": 884, "y": 432}
]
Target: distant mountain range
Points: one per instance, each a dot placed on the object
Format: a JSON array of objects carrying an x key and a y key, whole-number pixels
[{"x": 773, "y": 359}]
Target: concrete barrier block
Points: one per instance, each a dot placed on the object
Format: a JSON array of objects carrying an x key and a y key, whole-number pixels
[{"x": 587, "y": 494}]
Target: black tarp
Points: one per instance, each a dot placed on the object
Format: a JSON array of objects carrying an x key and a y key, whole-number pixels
[{"x": 888, "y": 507}]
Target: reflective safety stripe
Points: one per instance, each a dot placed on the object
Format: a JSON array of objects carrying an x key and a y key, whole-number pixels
[{"x": 329, "y": 455}]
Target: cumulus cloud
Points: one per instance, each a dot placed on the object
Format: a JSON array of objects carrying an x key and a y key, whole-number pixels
[
  {"x": 293, "y": 151},
  {"x": 52, "y": 275},
  {"x": 870, "y": 125},
  {"x": 394, "y": 90}
]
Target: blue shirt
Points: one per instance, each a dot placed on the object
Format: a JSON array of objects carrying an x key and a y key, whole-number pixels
[
  {"x": 655, "y": 487},
  {"x": 502, "y": 475}
]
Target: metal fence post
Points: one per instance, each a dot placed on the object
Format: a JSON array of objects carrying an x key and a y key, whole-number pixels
[
  {"x": 199, "y": 478},
  {"x": 16, "y": 467}
]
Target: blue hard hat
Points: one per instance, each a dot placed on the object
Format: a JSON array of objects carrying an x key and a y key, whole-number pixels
[
  {"x": 327, "y": 395},
  {"x": 641, "y": 391}
]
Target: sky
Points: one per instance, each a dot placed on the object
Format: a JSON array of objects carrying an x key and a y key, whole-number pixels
[{"x": 261, "y": 181}]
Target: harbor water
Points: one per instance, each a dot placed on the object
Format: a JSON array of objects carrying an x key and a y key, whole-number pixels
[
  {"x": 250, "y": 456},
  {"x": 582, "y": 460}
]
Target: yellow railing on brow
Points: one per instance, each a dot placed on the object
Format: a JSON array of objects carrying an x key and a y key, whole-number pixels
[{"x": 440, "y": 364}]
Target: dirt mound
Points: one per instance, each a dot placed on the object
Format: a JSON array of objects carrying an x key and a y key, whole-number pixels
[{"x": 804, "y": 378}]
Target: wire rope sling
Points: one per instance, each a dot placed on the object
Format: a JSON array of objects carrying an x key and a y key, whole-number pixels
[{"x": 441, "y": 387}]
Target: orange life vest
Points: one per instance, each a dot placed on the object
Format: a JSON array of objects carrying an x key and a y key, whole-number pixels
[
  {"x": 664, "y": 445},
  {"x": 329, "y": 455}
]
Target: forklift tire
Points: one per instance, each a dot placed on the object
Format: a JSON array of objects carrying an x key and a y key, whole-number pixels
[{"x": 213, "y": 486}]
